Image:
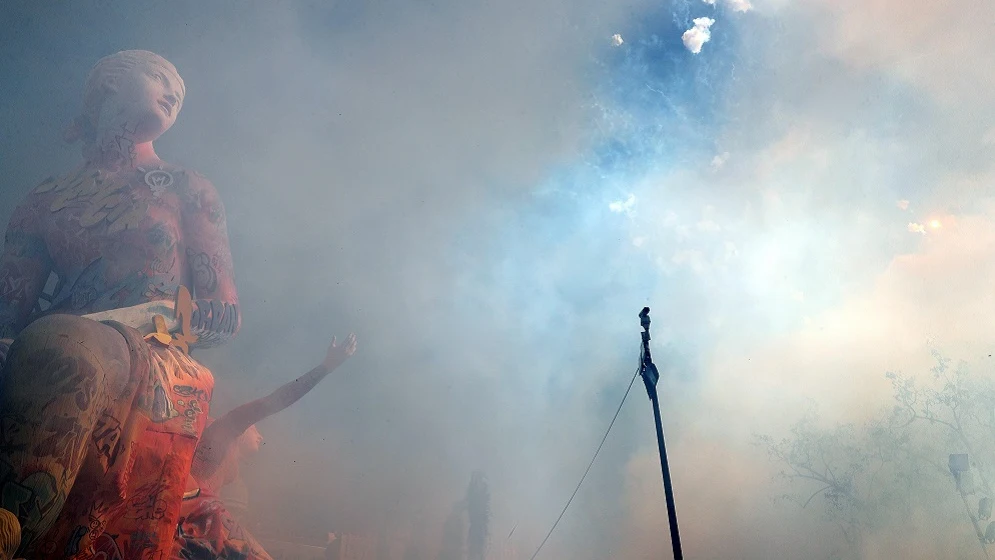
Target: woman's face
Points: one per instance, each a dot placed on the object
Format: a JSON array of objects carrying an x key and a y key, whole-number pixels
[
  {"x": 250, "y": 441},
  {"x": 145, "y": 102}
]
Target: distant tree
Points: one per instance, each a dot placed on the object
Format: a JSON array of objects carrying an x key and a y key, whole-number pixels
[
  {"x": 478, "y": 509},
  {"x": 415, "y": 549},
  {"x": 453, "y": 546},
  {"x": 471, "y": 517},
  {"x": 871, "y": 477}
]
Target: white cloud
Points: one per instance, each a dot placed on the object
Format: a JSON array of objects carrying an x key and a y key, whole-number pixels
[
  {"x": 903, "y": 204},
  {"x": 698, "y": 35},
  {"x": 620, "y": 207},
  {"x": 708, "y": 226},
  {"x": 736, "y": 5},
  {"x": 740, "y": 5},
  {"x": 617, "y": 40},
  {"x": 691, "y": 258},
  {"x": 731, "y": 250},
  {"x": 720, "y": 160},
  {"x": 917, "y": 228}
]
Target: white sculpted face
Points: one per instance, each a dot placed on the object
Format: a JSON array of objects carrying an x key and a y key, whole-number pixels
[
  {"x": 146, "y": 98},
  {"x": 130, "y": 98}
]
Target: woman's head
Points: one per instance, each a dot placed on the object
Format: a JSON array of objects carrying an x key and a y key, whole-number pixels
[
  {"x": 138, "y": 89},
  {"x": 249, "y": 442}
]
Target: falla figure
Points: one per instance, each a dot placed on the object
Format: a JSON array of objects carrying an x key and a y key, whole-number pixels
[{"x": 101, "y": 405}]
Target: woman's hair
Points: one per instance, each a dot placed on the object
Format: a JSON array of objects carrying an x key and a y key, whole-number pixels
[{"x": 104, "y": 73}]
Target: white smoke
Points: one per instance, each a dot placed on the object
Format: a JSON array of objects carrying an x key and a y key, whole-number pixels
[{"x": 698, "y": 35}]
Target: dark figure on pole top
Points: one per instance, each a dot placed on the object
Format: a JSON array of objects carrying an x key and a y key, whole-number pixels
[{"x": 647, "y": 369}]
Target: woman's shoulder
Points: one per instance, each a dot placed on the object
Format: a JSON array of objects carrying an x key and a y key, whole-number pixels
[
  {"x": 41, "y": 200},
  {"x": 195, "y": 190},
  {"x": 177, "y": 175},
  {"x": 60, "y": 182}
]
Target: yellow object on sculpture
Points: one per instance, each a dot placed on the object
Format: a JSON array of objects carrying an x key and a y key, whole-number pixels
[
  {"x": 161, "y": 333},
  {"x": 10, "y": 534},
  {"x": 183, "y": 311}
]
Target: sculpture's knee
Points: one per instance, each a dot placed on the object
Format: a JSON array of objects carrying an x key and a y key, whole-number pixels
[{"x": 60, "y": 350}]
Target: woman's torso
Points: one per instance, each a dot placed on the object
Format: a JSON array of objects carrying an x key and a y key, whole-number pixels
[{"x": 115, "y": 239}]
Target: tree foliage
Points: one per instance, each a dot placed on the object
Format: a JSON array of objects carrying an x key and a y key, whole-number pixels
[{"x": 872, "y": 477}]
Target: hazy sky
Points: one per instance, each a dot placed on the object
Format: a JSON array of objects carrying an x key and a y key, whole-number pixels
[{"x": 487, "y": 193}]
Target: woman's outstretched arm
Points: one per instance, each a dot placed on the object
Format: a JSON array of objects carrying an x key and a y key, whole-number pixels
[{"x": 221, "y": 435}]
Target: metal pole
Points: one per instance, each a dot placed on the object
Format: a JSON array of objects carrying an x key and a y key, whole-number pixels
[
  {"x": 668, "y": 488},
  {"x": 959, "y": 464},
  {"x": 974, "y": 521},
  {"x": 650, "y": 377}
]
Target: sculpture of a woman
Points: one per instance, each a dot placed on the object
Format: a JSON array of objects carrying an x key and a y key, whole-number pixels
[{"x": 98, "y": 421}]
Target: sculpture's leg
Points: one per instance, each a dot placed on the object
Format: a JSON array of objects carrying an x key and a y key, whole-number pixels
[
  {"x": 208, "y": 530},
  {"x": 61, "y": 372}
]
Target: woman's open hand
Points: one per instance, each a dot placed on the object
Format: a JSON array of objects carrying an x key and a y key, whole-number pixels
[{"x": 338, "y": 354}]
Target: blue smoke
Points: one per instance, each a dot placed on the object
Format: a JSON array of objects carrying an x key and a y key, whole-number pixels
[{"x": 563, "y": 263}]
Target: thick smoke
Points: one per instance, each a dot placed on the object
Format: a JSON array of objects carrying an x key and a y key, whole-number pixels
[
  {"x": 830, "y": 152},
  {"x": 488, "y": 193}
]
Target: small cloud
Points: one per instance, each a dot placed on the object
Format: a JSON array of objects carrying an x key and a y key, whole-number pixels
[
  {"x": 731, "y": 250},
  {"x": 797, "y": 295},
  {"x": 620, "y": 207},
  {"x": 917, "y": 228},
  {"x": 720, "y": 160},
  {"x": 740, "y": 5},
  {"x": 736, "y": 5},
  {"x": 617, "y": 40},
  {"x": 708, "y": 225},
  {"x": 695, "y": 260},
  {"x": 683, "y": 232},
  {"x": 638, "y": 241},
  {"x": 903, "y": 204},
  {"x": 698, "y": 35}
]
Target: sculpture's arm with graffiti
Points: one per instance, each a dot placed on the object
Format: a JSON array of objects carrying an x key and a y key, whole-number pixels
[
  {"x": 221, "y": 435},
  {"x": 24, "y": 268},
  {"x": 216, "y": 315}
]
